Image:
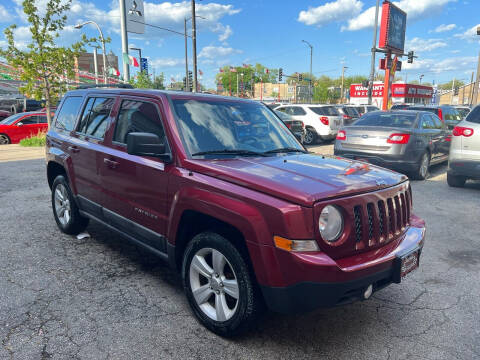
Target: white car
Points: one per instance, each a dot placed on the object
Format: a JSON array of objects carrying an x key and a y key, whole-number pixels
[
  {"x": 321, "y": 121},
  {"x": 464, "y": 158}
]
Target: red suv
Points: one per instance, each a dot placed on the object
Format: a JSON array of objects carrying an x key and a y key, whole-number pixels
[{"x": 221, "y": 189}]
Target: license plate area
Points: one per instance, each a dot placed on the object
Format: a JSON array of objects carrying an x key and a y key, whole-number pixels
[{"x": 405, "y": 264}]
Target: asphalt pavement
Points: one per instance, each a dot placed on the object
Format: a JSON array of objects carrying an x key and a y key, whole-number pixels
[{"x": 99, "y": 298}]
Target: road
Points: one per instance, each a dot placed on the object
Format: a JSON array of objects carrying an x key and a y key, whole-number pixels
[{"x": 99, "y": 298}]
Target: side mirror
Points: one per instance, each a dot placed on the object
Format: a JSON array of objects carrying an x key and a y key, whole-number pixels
[
  {"x": 19, "y": 123},
  {"x": 146, "y": 144}
]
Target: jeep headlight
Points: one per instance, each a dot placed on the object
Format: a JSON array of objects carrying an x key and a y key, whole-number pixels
[{"x": 330, "y": 223}]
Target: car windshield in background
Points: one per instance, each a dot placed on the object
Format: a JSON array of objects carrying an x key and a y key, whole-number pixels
[
  {"x": 325, "y": 110},
  {"x": 432, "y": 110},
  {"x": 229, "y": 126},
  {"x": 11, "y": 119},
  {"x": 398, "y": 120}
]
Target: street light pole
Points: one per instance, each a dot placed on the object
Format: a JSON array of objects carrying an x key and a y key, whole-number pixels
[
  {"x": 123, "y": 30},
  {"x": 194, "y": 43},
  {"x": 102, "y": 40},
  {"x": 343, "y": 76},
  {"x": 311, "y": 58},
  {"x": 421, "y": 77},
  {"x": 95, "y": 64},
  {"x": 374, "y": 49},
  {"x": 186, "y": 54},
  {"x": 477, "y": 78}
]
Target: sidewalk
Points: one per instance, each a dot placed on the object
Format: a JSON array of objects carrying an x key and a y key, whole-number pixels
[{"x": 15, "y": 152}]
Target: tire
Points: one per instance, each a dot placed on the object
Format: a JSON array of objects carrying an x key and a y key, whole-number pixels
[
  {"x": 421, "y": 173},
  {"x": 4, "y": 139},
  {"x": 310, "y": 137},
  {"x": 214, "y": 304},
  {"x": 65, "y": 209},
  {"x": 456, "y": 181}
]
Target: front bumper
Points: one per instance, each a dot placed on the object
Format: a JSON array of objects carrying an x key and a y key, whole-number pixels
[
  {"x": 327, "y": 282},
  {"x": 467, "y": 168}
]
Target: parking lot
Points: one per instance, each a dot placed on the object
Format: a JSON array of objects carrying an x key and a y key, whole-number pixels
[{"x": 99, "y": 298}]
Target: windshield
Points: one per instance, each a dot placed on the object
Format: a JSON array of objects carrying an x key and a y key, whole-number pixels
[
  {"x": 230, "y": 125},
  {"x": 325, "y": 110},
  {"x": 11, "y": 119},
  {"x": 400, "y": 120}
]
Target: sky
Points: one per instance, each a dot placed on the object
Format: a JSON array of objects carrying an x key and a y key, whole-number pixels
[{"x": 441, "y": 32}]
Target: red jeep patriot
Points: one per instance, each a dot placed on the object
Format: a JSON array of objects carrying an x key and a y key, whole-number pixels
[{"x": 221, "y": 189}]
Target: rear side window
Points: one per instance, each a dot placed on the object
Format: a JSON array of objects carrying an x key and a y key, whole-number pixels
[
  {"x": 42, "y": 119},
  {"x": 437, "y": 122},
  {"x": 350, "y": 111},
  {"x": 68, "y": 113},
  {"x": 29, "y": 120},
  {"x": 427, "y": 122},
  {"x": 95, "y": 116},
  {"x": 296, "y": 110},
  {"x": 137, "y": 116},
  {"x": 325, "y": 110},
  {"x": 474, "y": 115}
]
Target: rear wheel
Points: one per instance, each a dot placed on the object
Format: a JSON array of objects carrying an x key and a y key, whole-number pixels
[
  {"x": 4, "y": 139},
  {"x": 422, "y": 168},
  {"x": 219, "y": 285},
  {"x": 65, "y": 209},
  {"x": 456, "y": 181},
  {"x": 310, "y": 137}
]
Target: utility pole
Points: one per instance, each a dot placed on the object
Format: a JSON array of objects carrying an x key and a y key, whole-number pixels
[
  {"x": 475, "y": 86},
  {"x": 311, "y": 58},
  {"x": 95, "y": 64},
  {"x": 194, "y": 43},
  {"x": 237, "y": 84},
  {"x": 470, "y": 97},
  {"x": 123, "y": 30},
  {"x": 186, "y": 53},
  {"x": 453, "y": 88},
  {"x": 343, "y": 76},
  {"x": 374, "y": 49}
]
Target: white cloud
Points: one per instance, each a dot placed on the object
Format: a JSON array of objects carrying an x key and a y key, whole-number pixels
[
  {"x": 227, "y": 32},
  {"x": 469, "y": 35},
  {"x": 5, "y": 16},
  {"x": 414, "y": 9},
  {"x": 422, "y": 45},
  {"x": 166, "y": 62},
  {"x": 214, "y": 52},
  {"x": 338, "y": 10},
  {"x": 444, "y": 27},
  {"x": 449, "y": 64}
]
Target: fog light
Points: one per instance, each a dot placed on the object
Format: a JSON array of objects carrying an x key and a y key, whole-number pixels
[
  {"x": 368, "y": 292},
  {"x": 295, "y": 245}
]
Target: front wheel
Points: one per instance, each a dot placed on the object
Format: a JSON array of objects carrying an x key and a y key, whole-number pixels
[
  {"x": 219, "y": 286},
  {"x": 422, "y": 168},
  {"x": 456, "y": 181},
  {"x": 65, "y": 209}
]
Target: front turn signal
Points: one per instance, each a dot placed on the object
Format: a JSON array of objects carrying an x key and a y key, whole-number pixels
[{"x": 295, "y": 245}]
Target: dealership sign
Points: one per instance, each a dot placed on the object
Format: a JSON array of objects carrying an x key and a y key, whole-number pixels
[
  {"x": 392, "y": 28},
  {"x": 398, "y": 90}
]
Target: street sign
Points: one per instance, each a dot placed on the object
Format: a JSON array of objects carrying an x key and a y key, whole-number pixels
[
  {"x": 392, "y": 28},
  {"x": 144, "y": 64},
  {"x": 135, "y": 16}
]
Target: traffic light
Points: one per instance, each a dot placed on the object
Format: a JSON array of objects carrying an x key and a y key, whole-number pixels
[
  {"x": 410, "y": 57},
  {"x": 455, "y": 91},
  {"x": 184, "y": 83},
  {"x": 300, "y": 77},
  {"x": 365, "y": 83},
  {"x": 190, "y": 77},
  {"x": 280, "y": 74}
]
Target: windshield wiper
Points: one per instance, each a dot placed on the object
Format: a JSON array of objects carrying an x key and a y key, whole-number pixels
[
  {"x": 229, "y": 152},
  {"x": 285, "y": 149}
]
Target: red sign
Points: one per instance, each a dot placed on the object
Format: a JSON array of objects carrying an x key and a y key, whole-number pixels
[
  {"x": 398, "y": 90},
  {"x": 392, "y": 28}
]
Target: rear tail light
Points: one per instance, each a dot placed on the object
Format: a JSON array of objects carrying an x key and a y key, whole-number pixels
[
  {"x": 346, "y": 117},
  {"x": 324, "y": 120},
  {"x": 440, "y": 114},
  {"x": 289, "y": 125},
  {"x": 462, "y": 131},
  {"x": 303, "y": 125},
  {"x": 341, "y": 135},
  {"x": 398, "y": 139}
]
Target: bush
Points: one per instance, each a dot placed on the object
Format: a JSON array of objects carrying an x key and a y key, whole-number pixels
[{"x": 35, "y": 140}]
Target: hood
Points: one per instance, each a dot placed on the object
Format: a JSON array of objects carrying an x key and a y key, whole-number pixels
[{"x": 302, "y": 179}]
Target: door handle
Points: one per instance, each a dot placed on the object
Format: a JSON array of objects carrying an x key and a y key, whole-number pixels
[
  {"x": 73, "y": 149},
  {"x": 110, "y": 163}
]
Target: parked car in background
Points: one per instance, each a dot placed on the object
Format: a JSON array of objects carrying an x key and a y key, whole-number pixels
[
  {"x": 321, "y": 121},
  {"x": 4, "y": 114},
  {"x": 464, "y": 159},
  {"x": 403, "y": 140},
  {"x": 350, "y": 113},
  {"x": 219, "y": 189},
  {"x": 400, "y": 106},
  {"x": 22, "y": 125},
  {"x": 447, "y": 113},
  {"x": 16, "y": 105},
  {"x": 297, "y": 127},
  {"x": 363, "y": 109},
  {"x": 463, "y": 110}
]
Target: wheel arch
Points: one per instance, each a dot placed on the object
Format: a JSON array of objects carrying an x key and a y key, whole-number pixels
[{"x": 53, "y": 170}]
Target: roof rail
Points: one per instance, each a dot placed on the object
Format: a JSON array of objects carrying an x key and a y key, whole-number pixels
[{"x": 92, "y": 86}]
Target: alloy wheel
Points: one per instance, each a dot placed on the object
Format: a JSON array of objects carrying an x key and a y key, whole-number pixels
[
  {"x": 308, "y": 137},
  {"x": 4, "y": 139},
  {"x": 62, "y": 204},
  {"x": 214, "y": 284}
]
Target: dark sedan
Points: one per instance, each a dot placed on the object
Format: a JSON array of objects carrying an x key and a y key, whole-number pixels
[
  {"x": 403, "y": 140},
  {"x": 297, "y": 127}
]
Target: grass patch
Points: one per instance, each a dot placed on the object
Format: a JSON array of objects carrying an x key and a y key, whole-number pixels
[{"x": 35, "y": 140}]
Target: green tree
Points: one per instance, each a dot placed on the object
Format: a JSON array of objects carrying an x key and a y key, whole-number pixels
[
  {"x": 141, "y": 81},
  {"x": 44, "y": 65},
  {"x": 448, "y": 85},
  {"x": 159, "y": 82},
  {"x": 251, "y": 75}
]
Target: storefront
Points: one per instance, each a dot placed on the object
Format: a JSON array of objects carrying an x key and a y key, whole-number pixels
[{"x": 401, "y": 94}]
